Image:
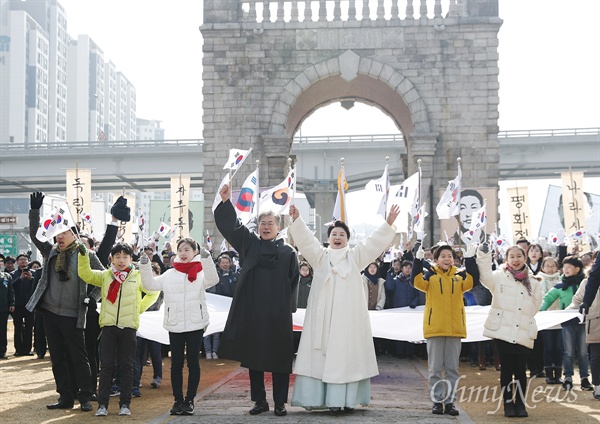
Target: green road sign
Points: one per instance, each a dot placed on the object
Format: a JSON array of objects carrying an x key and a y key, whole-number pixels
[{"x": 8, "y": 244}]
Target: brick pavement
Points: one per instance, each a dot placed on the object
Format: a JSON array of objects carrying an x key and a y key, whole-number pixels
[{"x": 399, "y": 394}]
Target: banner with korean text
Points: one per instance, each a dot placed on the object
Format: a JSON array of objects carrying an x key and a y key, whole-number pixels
[
  {"x": 79, "y": 196},
  {"x": 573, "y": 201},
  {"x": 518, "y": 205},
  {"x": 180, "y": 207}
]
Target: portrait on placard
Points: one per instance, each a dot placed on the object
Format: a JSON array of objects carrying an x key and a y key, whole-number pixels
[
  {"x": 553, "y": 216},
  {"x": 471, "y": 200}
]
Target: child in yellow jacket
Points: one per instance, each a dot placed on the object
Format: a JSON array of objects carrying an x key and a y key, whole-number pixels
[
  {"x": 444, "y": 321},
  {"x": 120, "y": 310}
]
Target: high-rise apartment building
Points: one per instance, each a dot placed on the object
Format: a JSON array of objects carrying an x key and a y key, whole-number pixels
[
  {"x": 32, "y": 71},
  {"x": 110, "y": 101},
  {"x": 126, "y": 107},
  {"x": 85, "y": 83},
  {"x": 56, "y": 88}
]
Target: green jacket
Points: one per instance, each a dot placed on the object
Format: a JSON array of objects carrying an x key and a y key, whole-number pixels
[
  {"x": 128, "y": 306},
  {"x": 564, "y": 297}
]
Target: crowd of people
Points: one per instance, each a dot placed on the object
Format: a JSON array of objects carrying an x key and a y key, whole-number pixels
[{"x": 83, "y": 306}]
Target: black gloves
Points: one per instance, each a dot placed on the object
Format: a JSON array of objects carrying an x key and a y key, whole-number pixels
[
  {"x": 484, "y": 247},
  {"x": 36, "y": 199},
  {"x": 584, "y": 308},
  {"x": 120, "y": 210}
]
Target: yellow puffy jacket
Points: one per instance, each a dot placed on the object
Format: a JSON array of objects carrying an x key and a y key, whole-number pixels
[
  {"x": 444, "y": 306},
  {"x": 126, "y": 310}
]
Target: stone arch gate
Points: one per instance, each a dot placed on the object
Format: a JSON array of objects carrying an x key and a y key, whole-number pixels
[{"x": 268, "y": 65}]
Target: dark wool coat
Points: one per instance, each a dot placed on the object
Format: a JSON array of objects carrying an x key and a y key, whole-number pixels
[{"x": 258, "y": 332}]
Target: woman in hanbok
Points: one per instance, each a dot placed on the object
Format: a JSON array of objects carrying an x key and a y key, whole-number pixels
[{"x": 336, "y": 357}]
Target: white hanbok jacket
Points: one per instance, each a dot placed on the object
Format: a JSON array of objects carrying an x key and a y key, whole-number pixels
[{"x": 337, "y": 344}]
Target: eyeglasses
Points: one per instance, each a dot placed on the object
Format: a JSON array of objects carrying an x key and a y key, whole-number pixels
[{"x": 267, "y": 224}]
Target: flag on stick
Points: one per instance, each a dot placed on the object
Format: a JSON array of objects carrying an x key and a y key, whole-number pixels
[
  {"x": 449, "y": 204},
  {"x": 141, "y": 223},
  {"x": 217, "y": 200},
  {"x": 278, "y": 198},
  {"x": 419, "y": 222},
  {"x": 381, "y": 186},
  {"x": 163, "y": 229},
  {"x": 407, "y": 195},
  {"x": 209, "y": 244},
  {"x": 246, "y": 204},
  {"x": 339, "y": 210},
  {"x": 578, "y": 235},
  {"x": 58, "y": 221},
  {"x": 478, "y": 221},
  {"x": 236, "y": 159}
]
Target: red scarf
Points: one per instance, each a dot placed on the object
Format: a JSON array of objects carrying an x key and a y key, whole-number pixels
[
  {"x": 119, "y": 277},
  {"x": 190, "y": 268}
]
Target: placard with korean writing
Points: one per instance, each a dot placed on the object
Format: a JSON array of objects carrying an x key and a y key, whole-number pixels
[
  {"x": 518, "y": 205},
  {"x": 180, "y": 203},
  {"x": 573, "y": 202},
  {"x": 79, "y": 195}
]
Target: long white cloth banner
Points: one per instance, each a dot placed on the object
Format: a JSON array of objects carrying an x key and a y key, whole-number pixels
[{"x": 394, "y": 324}]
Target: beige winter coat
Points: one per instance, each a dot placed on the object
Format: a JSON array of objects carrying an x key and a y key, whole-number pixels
[{"x": 592, "y": 319}]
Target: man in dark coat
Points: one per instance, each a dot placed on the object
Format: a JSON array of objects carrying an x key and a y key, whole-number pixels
[{"x": 258, "y": 332}]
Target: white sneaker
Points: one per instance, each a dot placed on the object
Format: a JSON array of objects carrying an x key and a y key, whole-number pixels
[
  {"x": 101, "y": 411},
  {"x": 209, "y": 356},
  {"x": 124, "y": 410},
  {"x": 214, "y": 356}
]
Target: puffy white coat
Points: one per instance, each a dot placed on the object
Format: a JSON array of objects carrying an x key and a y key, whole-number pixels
[
  {"x": 337, "y": 344},
  {"x": 512, "y": 313},
  {"x": 184, "y": 301}
]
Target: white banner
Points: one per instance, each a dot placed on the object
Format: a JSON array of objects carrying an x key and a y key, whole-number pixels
[{"x": 393, "y": 324}]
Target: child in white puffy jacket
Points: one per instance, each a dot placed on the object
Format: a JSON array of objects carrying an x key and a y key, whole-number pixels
[
  {"x": 516, "y": 298},
  {"x": 186, "y": 314}
]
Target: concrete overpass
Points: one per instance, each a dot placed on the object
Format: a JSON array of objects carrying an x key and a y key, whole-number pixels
[{"x": 147, "y": 165}]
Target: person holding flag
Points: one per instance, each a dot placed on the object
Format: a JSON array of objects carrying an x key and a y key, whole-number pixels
[
  {"x": 258, "y": 332},
  {"x": 62, "y": 297},
  {"x": 443, "y": 321},
  {"x": 336, "y": 357}
]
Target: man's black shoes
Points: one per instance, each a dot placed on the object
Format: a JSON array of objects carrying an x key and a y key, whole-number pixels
[
  {"x": 60, "y": 405},
  {"x": 280, "y": 410},
  {"x": 260, "y": 407}
]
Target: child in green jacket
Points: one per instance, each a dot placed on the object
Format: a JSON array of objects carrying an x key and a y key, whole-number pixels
[{"x": 120, "y": 311}]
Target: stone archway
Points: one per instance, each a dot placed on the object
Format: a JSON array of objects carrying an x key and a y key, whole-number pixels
[
  {"x": 350, "y": 76},
  {"x": 434, "y": 69},
  {"x": 353, "y": 76}
]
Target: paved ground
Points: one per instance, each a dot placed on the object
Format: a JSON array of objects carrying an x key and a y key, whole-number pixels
[{"x": 399, "y": 394}]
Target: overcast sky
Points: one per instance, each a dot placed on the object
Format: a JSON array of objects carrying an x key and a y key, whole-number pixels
[
  {"x": 549, "y": 64},
  {"x": 549, "y": 67}
]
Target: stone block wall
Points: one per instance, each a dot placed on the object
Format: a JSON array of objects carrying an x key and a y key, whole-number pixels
[{"x": 444, "y": 71}]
